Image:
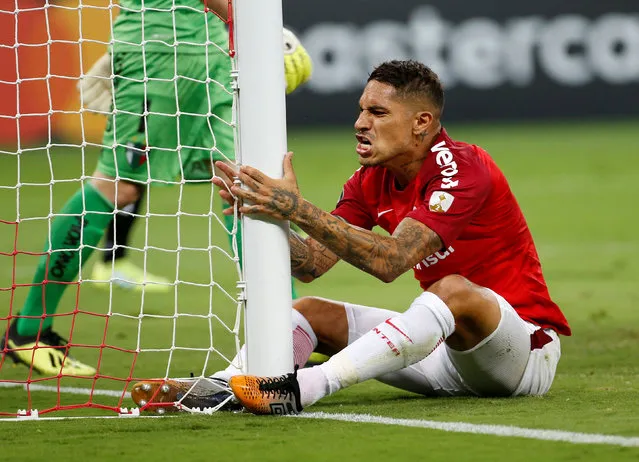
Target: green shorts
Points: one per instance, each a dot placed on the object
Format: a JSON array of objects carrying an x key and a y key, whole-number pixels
[{"x": 187, "y": 121}]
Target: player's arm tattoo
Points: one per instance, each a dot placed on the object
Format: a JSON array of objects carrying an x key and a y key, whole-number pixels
[
  {"x": 385, "y": 257},
  {"x": 309, "y": 258}
]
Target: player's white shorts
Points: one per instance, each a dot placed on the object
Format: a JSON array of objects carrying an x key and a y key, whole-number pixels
[{"x": 518, "y": 358}]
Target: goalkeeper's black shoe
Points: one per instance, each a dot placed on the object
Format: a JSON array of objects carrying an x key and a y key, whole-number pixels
[
  {"x": 46, "y": 355},
  {"x": 184, "y": 395},
  {"x": 268, "y": 395}
]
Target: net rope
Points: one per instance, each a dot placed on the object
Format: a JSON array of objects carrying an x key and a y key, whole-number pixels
[{"x": 50, "y": 144}]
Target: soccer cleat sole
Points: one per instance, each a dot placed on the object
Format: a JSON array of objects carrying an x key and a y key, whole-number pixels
[{"x": 158, "y": 396}]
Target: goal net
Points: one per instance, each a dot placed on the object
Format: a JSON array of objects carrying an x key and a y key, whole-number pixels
[{"x": 171, "y": 94}]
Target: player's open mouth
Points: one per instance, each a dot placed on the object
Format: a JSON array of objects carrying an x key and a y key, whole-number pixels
[{"x": 363, "y": 145}]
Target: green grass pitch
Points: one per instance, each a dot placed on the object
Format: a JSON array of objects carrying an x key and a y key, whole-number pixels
[{"x": 578, "y": 184}]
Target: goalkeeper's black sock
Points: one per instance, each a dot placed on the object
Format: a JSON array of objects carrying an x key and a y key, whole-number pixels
[{"x": 118, "y": 231}]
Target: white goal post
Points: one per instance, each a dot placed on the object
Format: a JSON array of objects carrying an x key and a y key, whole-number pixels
[
  {"x": 262, "y": 144},
  {"x": 51, "y": 138}
]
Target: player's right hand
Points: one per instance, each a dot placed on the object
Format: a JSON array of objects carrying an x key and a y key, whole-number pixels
[{"x": 95, "y": 87}]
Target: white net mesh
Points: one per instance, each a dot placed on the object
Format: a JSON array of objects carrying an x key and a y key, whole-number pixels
[{"x": 152, "y": 115}]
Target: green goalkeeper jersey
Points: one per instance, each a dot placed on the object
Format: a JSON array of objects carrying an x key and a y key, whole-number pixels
[{"x": 165, "y": 24}]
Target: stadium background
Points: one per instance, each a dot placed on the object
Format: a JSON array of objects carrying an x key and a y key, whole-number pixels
[
  {"x": 499, "y": 61},
  {"x": 550, "y": 88}
]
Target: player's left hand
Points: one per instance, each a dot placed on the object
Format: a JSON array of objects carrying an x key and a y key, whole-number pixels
[
  {"x": 278, "y": 198},
  {"x": 298, "y": 66}
]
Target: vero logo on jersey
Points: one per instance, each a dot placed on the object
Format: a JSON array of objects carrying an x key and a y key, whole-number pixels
[
  {"x": 444, "y": 159},
  {"x": 440, "y": 202}
]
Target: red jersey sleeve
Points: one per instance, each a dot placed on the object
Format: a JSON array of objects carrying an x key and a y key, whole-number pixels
[
  {"x": 452, "y": 198},
  {"x": 352, "y": 205}
]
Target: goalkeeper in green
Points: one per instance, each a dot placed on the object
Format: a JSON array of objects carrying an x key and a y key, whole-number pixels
[{"x": 171, "y": 93}]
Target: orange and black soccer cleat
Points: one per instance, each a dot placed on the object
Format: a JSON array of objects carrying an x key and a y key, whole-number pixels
[{"x": 268, "y": 395}]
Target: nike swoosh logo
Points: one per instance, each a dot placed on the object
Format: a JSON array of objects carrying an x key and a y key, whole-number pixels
[{"x": 379, "y": 214}]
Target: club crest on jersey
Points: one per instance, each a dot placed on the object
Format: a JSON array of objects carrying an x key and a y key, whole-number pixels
[
  {"x": 440, "y": 202},
  {"x": 136, "y": 154}
]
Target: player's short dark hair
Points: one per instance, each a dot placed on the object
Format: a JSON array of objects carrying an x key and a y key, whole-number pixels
[{"x": 411, "y": 78}]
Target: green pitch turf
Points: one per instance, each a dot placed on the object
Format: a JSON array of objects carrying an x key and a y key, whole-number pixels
[{"x": 577, "y": 183}]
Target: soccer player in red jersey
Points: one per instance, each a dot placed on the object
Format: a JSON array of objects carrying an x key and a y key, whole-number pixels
[{"x": 484, "y": 325}]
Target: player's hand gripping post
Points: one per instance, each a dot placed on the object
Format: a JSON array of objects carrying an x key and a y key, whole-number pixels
[{"x": 277, "y": 198}]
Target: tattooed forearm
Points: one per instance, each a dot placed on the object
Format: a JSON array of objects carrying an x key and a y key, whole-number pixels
[
  {"x": 309, "y": 258},
  {"x": 385, "y": 257},
  {"x": 301, "y": 258}
]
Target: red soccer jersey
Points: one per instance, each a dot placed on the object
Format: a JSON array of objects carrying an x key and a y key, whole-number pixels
[{"x": 463, "y": 196}]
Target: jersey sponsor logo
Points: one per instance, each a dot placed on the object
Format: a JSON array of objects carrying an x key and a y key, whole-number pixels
[
  {"x": 383, "y": 212},
  {"x": 433, "y": 259},
  {"x": 444, "y": 159},
  {"x": 440, "y": 202}
]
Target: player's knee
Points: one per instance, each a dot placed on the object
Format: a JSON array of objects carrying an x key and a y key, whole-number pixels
[
  {"x": 450, "y": 287},
  {"x": 475, "y": 309},
  {"x": 121, "y": 193},
  {"x": 460, "y": 295},
  {"x": 317, "y": 311},
  {"x": 127, "y": 193}
]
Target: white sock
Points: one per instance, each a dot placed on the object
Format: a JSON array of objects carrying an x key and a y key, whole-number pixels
[
  {"x": 392, "y": 345},
  {"x": 304, "y": 342},
  {"x": 313, "y": 385},
  {"x": 234, "y": 368}
]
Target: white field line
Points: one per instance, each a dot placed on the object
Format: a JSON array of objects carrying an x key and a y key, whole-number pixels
[
  {"x": 454, "y": 427},
  {"x": 482, "y": 429},
  {"x": 71, "y": 390}
]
